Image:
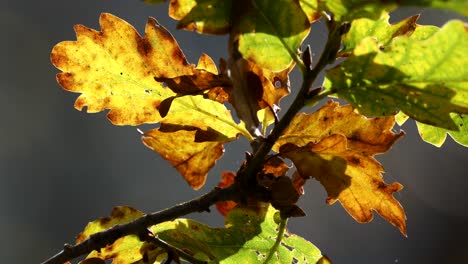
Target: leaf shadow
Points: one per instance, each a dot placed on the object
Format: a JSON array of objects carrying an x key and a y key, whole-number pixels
[{"x": 381, "y": 90}]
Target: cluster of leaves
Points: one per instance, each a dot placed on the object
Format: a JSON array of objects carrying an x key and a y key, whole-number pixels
[{"x": 390, "y": 72}]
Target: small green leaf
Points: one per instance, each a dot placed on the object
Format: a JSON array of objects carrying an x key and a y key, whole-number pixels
[
  {"x": 237, "y": 242},
  {"x": 427, "y": 79},
  {"x": 270, "y": 34},
  {"x": 436, "y": 135},
  {"x": 348, "y": 10},
  {"x": 379, "y": 29},
  {"x": 203, "y": 16}
]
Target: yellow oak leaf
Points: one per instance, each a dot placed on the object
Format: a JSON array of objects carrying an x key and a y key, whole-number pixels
[
  {"x": 192, "y": 159},
  {"x": 117, "y": 69},
  {"x": 205, "y": 114},
  {"x": 349, "y": 176},
  {"x": 366, "y": 135}
]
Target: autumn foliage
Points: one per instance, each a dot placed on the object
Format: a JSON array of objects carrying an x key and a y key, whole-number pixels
[{"x": 386, "y": 72}]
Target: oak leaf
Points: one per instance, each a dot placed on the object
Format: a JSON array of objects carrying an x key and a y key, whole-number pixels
[
  {"x": 270, "y": 34},
  {"x": 424, "y": 75},
  {"x": 247, "y": 237},
  {"x": 336, "y": 145},
  {"x": 349, "y": 176},
  {"x": 192, "y": 159},
  {"x": 117, "y": 69},
  {"x": 203, "y": 16},
  {"x": 366, "y": 135},
  {"x": 380, "y": 29},
  {"x": 437, "y": 135},
  {"x": 127, "y": 249}
]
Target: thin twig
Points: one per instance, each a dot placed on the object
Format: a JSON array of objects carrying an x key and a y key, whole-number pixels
[{"x": 107, "y": 237}]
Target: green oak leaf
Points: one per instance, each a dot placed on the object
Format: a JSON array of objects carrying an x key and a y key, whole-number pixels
[
  {"x": 427, "y": 78},
  {"x": 310, "y": 8},
  {"x": 348, "y": 10},
  {"x": 270, "y": 34},
  {"x": 380, "y": 29},
  {"x": 237, "y": 242},
  {"x": 436, "y": 135},
  {"x": 203, "y": 16}
]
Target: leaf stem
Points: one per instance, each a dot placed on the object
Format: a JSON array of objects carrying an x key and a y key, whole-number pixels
[{"x": 274, "y": 248}]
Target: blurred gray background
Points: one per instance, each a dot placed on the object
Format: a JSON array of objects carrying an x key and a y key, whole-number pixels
[{"x": 60, "y": 168}]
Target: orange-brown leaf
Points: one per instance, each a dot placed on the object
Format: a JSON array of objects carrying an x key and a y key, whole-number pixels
[
  {"x": 275, "y": 166},
  {"x": 350, "y": 176},
  {"x": 366, "y": 135},
  {"x": 227, "y": 179},
  {"x": 192, "y": 159}
]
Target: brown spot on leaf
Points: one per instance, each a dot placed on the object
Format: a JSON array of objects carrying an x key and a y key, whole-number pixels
[
  {"x": 104, "y": 221},
  {"x": 355, "y": 160},
  {"x": 143, "y": 47}
]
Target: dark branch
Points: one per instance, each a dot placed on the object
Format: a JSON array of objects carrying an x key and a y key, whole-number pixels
[{"x": 102, "y": 239}]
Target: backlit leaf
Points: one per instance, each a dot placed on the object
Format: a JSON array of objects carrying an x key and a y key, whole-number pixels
[
  {"x": 205, "y": 114},
  {"x": 192, "y": 159},
  {"x": 379, "y": 29},
  {"x": 425, "y": 76},
  {"x": 128, "y": 249},
  {"x": 336, "y": 145},
  {"x": 270, "y": 34},
  {"x": 203, "y": 16},
  {"x": 366, "y": 135},
  {"x": 310, "y": 8},
  {"x": 246, "y": 238},
  {"x": 349, "y": 176},
  {"x": 348, "y": 10},
  {"x": 115, "y": 69},
  {"x": 436, "y": 135}
]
